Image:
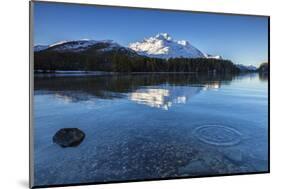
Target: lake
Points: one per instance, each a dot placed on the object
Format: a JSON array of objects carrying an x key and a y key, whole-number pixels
[{"x": 150, "y": 126}]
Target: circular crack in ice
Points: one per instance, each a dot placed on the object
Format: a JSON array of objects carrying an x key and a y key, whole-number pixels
[{"x": 219, "y": 135}]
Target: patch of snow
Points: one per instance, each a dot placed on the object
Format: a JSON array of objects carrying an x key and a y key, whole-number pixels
[
  {"x": 58, "y": 43},
  {"x": 213, "y": 56}
]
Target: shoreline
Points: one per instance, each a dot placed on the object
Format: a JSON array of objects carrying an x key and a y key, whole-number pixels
[
  {"x": 100, "y": 73},
  {"x": 39, "y": 73},
  {"x": 97, "y": 73}
]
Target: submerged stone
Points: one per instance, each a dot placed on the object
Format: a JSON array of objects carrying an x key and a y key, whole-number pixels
[{"x": 69, "y": 137}]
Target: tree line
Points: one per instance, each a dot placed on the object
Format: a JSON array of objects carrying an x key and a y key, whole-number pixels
[{"x": 123, "y": 62}]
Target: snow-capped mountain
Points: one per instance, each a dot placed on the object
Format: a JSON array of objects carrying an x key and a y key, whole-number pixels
[
  {"x": 163, "y": 46},
  {"x": 160, "y": 46},
  {"x": 246, "y": 68},
  {"x": 81, "y": 45}
]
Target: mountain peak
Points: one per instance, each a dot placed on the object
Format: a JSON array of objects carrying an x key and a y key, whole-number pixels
[
  {"x": 162, "y": 45},
  {"x": 163, "y": 36}
]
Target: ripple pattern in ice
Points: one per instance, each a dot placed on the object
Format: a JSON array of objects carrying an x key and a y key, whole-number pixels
[{"x": 219, "y": 135}]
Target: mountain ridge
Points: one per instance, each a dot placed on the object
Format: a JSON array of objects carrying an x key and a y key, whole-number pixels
[{"x": 160, "y": 46}]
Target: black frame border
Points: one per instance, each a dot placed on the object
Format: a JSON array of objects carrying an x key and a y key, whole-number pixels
[{"x": 31, "y": 163}]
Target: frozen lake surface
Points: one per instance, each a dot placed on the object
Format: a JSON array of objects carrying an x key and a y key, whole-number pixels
[{"x": 149, "y": 126}]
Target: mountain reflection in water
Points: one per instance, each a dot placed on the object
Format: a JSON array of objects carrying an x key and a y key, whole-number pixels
[{"x": 167, "y": 89}]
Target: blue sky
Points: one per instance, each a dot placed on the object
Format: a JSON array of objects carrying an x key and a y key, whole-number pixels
[{"x": 242, "y": 39}]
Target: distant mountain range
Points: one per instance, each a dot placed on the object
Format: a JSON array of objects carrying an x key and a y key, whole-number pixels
[
  {"x": 91, "y": 53},
  {"x": 160, "y": 46},
  {"x": 246, "y": 67}
]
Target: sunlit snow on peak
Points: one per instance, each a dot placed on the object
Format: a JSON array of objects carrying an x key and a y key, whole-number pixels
[{"x": 164, "y": 46}]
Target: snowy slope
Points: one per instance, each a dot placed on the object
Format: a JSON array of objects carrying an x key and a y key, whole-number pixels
[
  {"x": 40, "y": 47},
  {"x": 163, "y": 46},
  {"x": 77, "y": 46}
]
